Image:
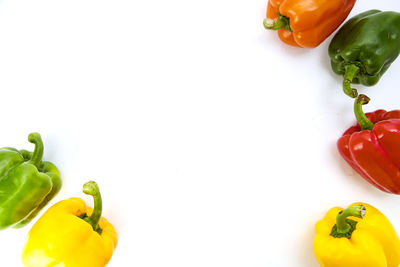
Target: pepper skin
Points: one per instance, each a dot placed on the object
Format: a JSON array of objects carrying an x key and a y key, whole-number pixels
[
  {"x": 368, "y": 239},
  {"x": 306, "y": 23},
  {"x": 371, "y": 147},
  {"x": 70, "y": 234},
  {"x": 365, "y": 47},
  {"x": 26, "y": 183}
]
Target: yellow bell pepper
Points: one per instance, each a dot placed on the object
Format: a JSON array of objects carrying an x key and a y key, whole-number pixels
[
  {"x": 368, "y": 239},
  {"x": 70, "y": 234}
]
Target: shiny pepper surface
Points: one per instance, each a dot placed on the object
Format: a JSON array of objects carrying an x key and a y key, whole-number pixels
[
  {"x": 70, "y": 234},
  {"x": 306, "y": 23},
  {"x": 372, "y": 147},
  {"x": 27, "y": 183},
  {"x": 366, "y": 239},
  {"x": 365, "y": 47}
]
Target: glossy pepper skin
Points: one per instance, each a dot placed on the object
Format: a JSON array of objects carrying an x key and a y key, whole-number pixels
[
  {"x": 70, "y": 234},
  {"x": 372, "y": 146},
  {"x": 27, "y": 183},
  {"x": 366, "y": 239},
  {"x": 306, "y": 23},
  {"x": 365, "y": 47}
]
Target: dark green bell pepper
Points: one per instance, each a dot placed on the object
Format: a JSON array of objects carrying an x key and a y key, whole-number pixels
[
  {"x": 27, "y": 183},
  {"x": 365, "y": 47}
]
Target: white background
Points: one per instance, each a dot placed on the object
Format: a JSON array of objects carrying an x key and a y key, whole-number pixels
[{"x": 214, "y": 144}]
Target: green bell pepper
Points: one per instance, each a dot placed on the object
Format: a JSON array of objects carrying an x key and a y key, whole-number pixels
[
  {"x": 365, "y": 47},
  {"x": 27, "y": 183}
]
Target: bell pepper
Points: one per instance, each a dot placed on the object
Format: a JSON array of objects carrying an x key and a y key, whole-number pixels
[
  {"x": 371, "y": 147},
  {"x": 306, "y": 23},
  {"x": 70, "y": 234},
  {"x": 365, "y": 47},
  {"x": 366, "y": 239},
  {"x": 27, "y": 183}
]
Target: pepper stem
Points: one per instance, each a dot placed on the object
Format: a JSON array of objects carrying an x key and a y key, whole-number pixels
[
  {"x": 364, "y": 122},
  {"x": 281, "y": 23},
  {"x": 37, "y": 154},
  {"x": 342, "y": 224},
  {"x": 91, "y": 188},
  {"x": 350, "y": 71}
]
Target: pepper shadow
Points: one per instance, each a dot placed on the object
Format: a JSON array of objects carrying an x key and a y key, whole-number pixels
[{"x": 305, "y": 251}]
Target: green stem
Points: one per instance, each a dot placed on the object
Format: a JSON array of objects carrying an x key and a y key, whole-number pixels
[
  {"x": 37, "y": 154},
  {"x": 91, "y": 188},
  {"x": 350, "y": 72},
  {"x": 342, "y": 224},
  {"x": 364, "y": 122},
  {"x": 281, "y": 23}
]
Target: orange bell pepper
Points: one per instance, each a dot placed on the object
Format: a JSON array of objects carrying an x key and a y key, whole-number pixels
[{"x": 306, "y": 23}]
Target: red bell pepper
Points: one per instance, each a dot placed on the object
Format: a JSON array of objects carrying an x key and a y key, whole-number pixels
[{"x": 372, "y": 147}]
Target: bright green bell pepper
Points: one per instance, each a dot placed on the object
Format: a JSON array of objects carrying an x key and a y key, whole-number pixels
[{"x": 27, "y": 183}]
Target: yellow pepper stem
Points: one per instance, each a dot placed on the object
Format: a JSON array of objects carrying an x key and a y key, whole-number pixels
[
  {"x": 91, "y": 188},
  {"x": 344, "y": 227}
]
